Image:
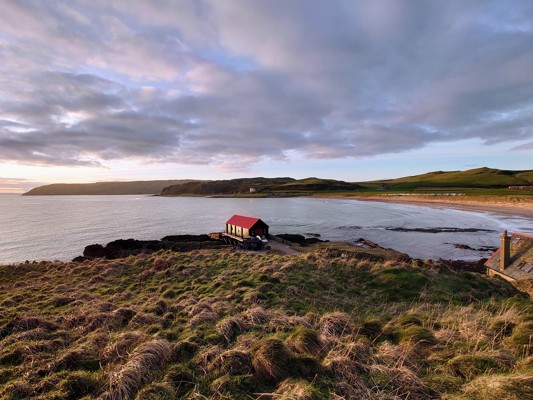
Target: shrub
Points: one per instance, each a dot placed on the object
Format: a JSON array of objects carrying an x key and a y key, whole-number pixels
[{"x": 270, "y": 359}]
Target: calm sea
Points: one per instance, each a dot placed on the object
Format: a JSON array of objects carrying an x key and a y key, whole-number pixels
[{"x": 59, "y": 227}]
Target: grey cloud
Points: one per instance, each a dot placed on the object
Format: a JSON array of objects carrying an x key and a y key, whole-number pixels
[
  {"x": 208, "y": 81},
  {"x": 15, "y": 185}
]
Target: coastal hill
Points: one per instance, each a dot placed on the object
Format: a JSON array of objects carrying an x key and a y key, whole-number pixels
[
  {"x": 486, "y": 178},
  {"x": 103, "y": 188},
  {"x": 259, "y": 186},
  {"x": 219, "y": 324},
  {"x": 473, "y": 178}
]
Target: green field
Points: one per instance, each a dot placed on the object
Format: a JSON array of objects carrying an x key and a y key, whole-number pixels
[{"x": 480, "y": 178}]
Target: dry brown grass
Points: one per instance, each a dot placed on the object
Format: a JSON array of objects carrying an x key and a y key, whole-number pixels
[
  {"x": 119, "y": 348},
  {"x": 230, "y": 327},
  {"x": 291, "y": 389},
  {"x": 400, "y": 381},
  {"x": 145, "y": 360},
  {"x": 234, "y": 362},
  {"x": 500, "y": 387},
  {"x": 256, "y": 315},
  {"x": 335, "y": 324},
  {"x": 305, "y": 340},
  {"x": 271, "y": 358}
]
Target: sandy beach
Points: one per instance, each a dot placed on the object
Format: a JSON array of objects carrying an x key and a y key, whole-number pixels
[{"x": 522, "y": 207}]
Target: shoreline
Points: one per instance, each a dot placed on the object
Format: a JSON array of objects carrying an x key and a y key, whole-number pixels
[{"x": 524, "y": 210}]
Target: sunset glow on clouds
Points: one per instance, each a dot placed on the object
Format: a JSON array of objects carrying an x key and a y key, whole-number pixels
[{"x": 105, "y": 90}]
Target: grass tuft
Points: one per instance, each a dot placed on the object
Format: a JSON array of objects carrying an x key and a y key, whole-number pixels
[
  {"x": 305, "y": 340},
  {"x": 271, "y": 359},
  {"x": 335, "y": 324},
  {"x": 146, "y": 360},
  {"x": 230, "y": 327}
]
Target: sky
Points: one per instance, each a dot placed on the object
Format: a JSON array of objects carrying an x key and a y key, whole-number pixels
[{"x": 355, "y": 90}]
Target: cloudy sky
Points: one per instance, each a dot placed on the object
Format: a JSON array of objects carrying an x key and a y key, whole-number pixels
[{"x": 125, "y": 90}]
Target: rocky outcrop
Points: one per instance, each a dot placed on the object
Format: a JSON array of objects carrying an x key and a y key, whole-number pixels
[
  {"x": 126, "y": 247},
  {"x": 300, "y": 239}
]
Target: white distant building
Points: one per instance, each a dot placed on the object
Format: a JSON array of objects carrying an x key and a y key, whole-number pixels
[{"x": 253, "y": 190}]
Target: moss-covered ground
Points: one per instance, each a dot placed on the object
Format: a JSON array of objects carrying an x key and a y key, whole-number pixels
[{"x": 224, "y": 325}]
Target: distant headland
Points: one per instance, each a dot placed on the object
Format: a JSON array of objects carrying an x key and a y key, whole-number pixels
[{"x": 438, "y": 185}]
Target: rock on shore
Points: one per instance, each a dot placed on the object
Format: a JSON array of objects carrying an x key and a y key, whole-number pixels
[{"x": 126, "y": 247}]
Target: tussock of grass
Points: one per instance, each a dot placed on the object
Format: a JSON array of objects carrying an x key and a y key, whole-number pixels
[
  {"x": 335, "y": 324},
  {"x": 295, "y": 390},
  {"x": 118, "y": 349},
  {"x": 271, "y": 359},
  {"x": 305, "y": 340},
  {"x": 400, "y": 381},
  {"x": 144, "y": 362},
  {"x": 469, "y": 366},
  {"x": 234, "y": 362},
  {"x": 500, "y": 387},
  {"x": 231, "y": 327}
]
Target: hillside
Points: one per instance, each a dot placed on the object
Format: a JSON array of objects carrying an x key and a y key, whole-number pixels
[
  {"x": 262, "y": 186},
  {"x": 227, "y": 325},
  {"x": 103, "y": 188},
  {"x": 474, "y": 178}
]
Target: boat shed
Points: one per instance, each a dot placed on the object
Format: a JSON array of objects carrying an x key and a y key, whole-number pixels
[
  {"x": 513, "y": 261},
  {"x": 243, "y": 226}
]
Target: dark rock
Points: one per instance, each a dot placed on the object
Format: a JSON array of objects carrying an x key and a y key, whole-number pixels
[
  {"x": 186, "y": 238},
  {"x": 292, "y": 238},
  {"x": 463, "y": 265},
  {"x": 463, "y": 246},
  {"x": 94, "y": 251},
  {"x": 367, "y": 243},
  {"x": 300, "y": 239},
  {"x": 467, "y": 247},
  {"x": 314, "y": 240},
  {"x": 439, "y": 230},
  {"x": 126, "y": 247}
]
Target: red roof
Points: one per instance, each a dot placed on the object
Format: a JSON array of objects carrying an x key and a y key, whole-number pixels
[{"x": 244, "y": 221}]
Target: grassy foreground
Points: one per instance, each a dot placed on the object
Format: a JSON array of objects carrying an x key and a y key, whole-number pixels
[{"x": 223, "y": 325}]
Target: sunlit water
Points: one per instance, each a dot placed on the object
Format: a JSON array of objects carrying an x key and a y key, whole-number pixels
[{"x": 59, "y": 227}]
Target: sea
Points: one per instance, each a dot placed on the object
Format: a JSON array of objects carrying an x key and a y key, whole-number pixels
[{"x": 59, "y": 227}]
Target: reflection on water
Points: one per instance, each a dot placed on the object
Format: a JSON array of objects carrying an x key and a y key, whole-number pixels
[{"x": 59, "y": 227}]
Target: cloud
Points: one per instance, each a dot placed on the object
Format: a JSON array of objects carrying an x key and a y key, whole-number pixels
[
  {"x": 13, "y": 185},
  {"x": 211, "y": 82}
]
